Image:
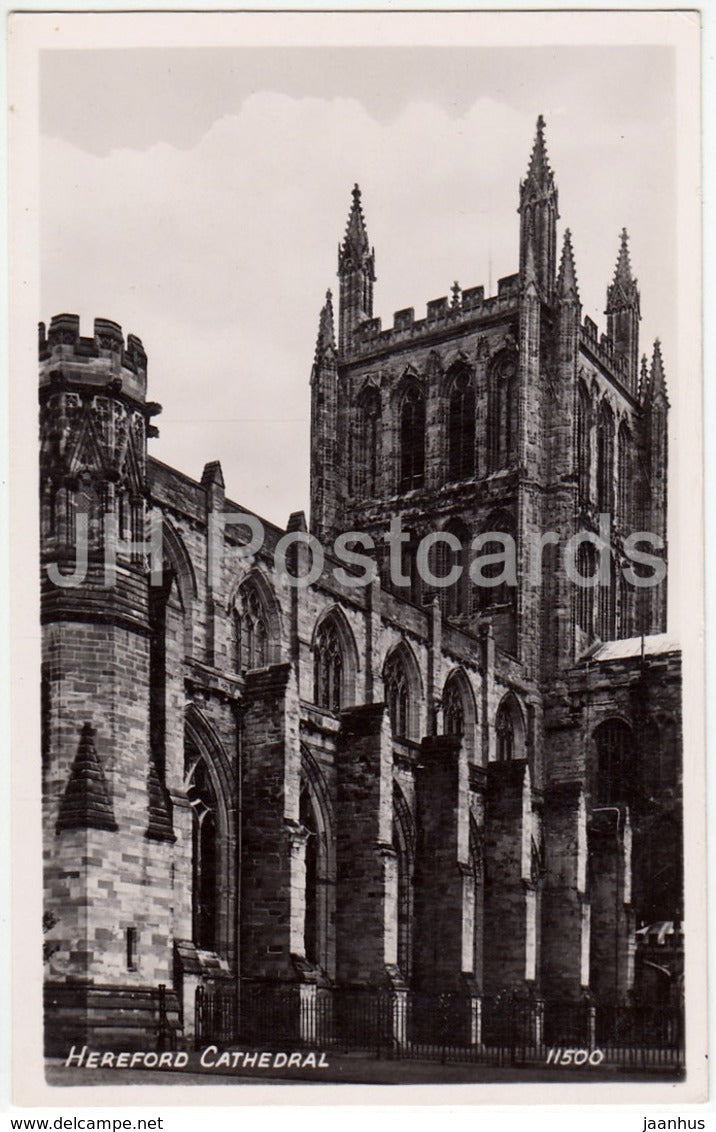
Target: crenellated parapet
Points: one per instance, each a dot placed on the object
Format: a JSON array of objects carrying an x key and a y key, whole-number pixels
[
  {"x": 442, "y": 315},
  {"x": 105, "y": 355},
  {"x": 602, "y": 349}
]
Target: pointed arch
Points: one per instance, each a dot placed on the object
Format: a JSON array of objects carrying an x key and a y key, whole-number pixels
[
  {"x": 455, "y": 598},
  {"x": 210, "y": 790},
  {"x": 583, "y": 440},
  {"x": 255, "y": 623},
  {"x": 459, "y": 709},
  {"x": 178, "y": 561},
  {"x": 368, "y": 437},
  {"x": 403, "y": 691},
  {"x": 404, "y": 842},
  {"x": 510, "y": 730},
  {"x": 318, "y": 824},
  {"x": 411, "y": 431},
  {"x": 624, "y": 474},
  {"x": 335, "y": 660},
  {"x": 499, "y": 602},
  {"x": 502, "y": 411},
  {"x": 461, "y": 415},
  {"x": 605, "y": 458}
]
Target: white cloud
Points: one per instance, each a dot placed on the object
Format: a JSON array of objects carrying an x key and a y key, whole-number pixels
[{"x": 219, "y": 256}]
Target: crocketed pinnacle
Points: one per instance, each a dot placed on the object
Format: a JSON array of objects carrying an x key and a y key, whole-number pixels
[
  {"x": 567, "y": 278},
  {"x": 643, "y": 377},
  {"x": 623, "y": 290},
  {"x": 539, "y": 174},
  {"x": 326, "y": 340},
  {"x": 657, "y": 379},
  {"x": 355, "y": 247}
]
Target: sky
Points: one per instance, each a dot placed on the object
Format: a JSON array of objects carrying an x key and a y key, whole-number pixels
[{"x": 197, "y": 197}]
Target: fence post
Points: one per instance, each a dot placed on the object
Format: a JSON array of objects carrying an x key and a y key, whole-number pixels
[
  {"x": 475, "y": 1008},
  {"x": 307, "y": 1012},
  {"x": 399, "y": 1019}
]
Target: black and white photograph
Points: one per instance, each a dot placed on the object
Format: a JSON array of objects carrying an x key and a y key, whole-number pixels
[{"x": 366, "y": 491}]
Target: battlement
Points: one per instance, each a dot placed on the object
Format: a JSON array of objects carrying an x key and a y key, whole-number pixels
[
  {"x": 464, "y": 306},
  {"x": 104, "y": 355},
  {"x": 601, "y": 346}
]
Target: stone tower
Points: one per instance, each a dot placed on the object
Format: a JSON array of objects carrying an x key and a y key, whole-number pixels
[{"x": 106, "y": 795}]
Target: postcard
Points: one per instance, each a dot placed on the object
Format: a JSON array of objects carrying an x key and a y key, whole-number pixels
[{"x": 359, "y": 719}]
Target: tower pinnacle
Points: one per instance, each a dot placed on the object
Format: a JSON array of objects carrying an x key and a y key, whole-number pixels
[
  {"x": 623, "y": 314},
  {"x": 538, "y": 216},
  {"x": 539, "y": 174},
  {"x": 356, "y": 271},
  {"x": 326, "y": 339},
  {"x": 567, "y": 278}
]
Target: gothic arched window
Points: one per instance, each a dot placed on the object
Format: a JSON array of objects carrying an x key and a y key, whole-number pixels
[
  {"x": 397, "y": 696},
  {"x": 412, "y": 440},
  {"x": 502, "y": 413},
  {"x": 461, "y": 428},
  {"x": 606, "y": 621},
  {"x": 404, "y": 845},
  {"x": 583, "y": 453},
  {"x": 328, "y": 668},
  {"x": 615, "y": 762},
  {"x": 624, "y": 473},
  {"x": 584, "y": 598},
  {"x": 605, "y": 460},
  {"x": 205, "y": 857},
  {"x": 250, "y": 630},
  {"x": 453, "y": 709},
  {"x": 505, "y": 730},
  {"x": 311, "y": 918},
  {"x": 368, "y": 444}
]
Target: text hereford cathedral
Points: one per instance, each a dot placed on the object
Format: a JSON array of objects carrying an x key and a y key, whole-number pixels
[{"x": 468, "y": 788}]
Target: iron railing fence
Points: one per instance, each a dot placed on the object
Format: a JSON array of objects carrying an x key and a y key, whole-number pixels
[{"x": 502, "y": 1030}]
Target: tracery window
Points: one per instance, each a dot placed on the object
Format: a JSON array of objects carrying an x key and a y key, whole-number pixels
[
  {"x": 250, "y": 631},
  {"x": 584, "y": 598},
  {"x": 453, "y": 709},
  {"x": 311, "y": 918},
  {"x": 328, "y": 667},
  {"x": 583, "y": 453},
  {"x": 605, "y": 460},
  {"x": 502, "y": 414},
  {"x": 202, "y": 800},
  {"x": 461, "y": 428},
  {"x": 412, "y": 440},
  {"x": 505, "y": 730},
  {"x": 368, "y": 444},
  {"x": 397, "y": 696},
  {"x": 606, "y": 620},
  {"x": 404, "y": 845},
  {"x": 624, "y": 473}
]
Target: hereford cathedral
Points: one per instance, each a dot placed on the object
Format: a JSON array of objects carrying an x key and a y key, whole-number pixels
[{"x": 400, "y": 784}]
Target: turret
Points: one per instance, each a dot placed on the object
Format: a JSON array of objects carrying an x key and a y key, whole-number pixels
[
  {"x": 356, "y": 272},
  {"x": 623, "y": 315},
  {"x": 538, "y": 216},
  {"x": 94, "y": 425}
]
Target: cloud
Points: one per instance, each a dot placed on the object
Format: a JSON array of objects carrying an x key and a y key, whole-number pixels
[{"x": 219, "y": 255}]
